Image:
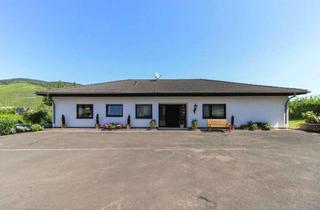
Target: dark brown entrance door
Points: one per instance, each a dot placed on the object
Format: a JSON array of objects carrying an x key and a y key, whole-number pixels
[{"x": 172, "y": 115}]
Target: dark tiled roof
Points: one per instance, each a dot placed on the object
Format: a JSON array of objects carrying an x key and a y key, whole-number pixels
[{"x": 172, "y": 87}]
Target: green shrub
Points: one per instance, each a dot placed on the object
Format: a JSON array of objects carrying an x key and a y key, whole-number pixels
[
  {"x": 266, "y": 126},
  {"x": 37, "y": 117},
  {"x": 153, "y": 123},
  {"x": 36, "y": 127},
  {"x": 304, "y": 104},
  {"x": 195, "y": 124},
  {"x": 311, "y": 117},
  {"x": 253, "y": 127},
  {"x": 7, "y": 110},
  {"x": 47, "y": 100},
  {"x": 7, "y": 126},
  {"x": 14, "y": 117}
]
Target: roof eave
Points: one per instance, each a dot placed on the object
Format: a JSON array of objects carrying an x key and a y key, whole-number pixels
[{"x": 171, "y": 94}]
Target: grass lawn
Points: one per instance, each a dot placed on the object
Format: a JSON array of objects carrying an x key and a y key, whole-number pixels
[{"x": 295, "y": 123}]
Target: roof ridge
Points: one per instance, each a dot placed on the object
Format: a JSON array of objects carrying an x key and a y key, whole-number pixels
[{"x": 100, "y": 83}]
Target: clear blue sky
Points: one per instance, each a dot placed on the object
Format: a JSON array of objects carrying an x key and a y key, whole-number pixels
[{"x": 275, "y": 42}]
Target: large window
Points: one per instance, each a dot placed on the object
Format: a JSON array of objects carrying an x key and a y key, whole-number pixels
[
  {"x": 214, "y": 111},
  {"x": 114, "y": 110},
  {"x": 144, "y": 111},
  {"x": 84, "y": 111}
]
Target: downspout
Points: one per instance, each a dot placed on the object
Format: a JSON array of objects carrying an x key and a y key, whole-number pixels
[
  {"x": 286, "y": 108},
  {"x": 53, "y": 110}
]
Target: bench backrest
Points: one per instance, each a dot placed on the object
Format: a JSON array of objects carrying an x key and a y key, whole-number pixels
[{"x": 217, "y": 122}]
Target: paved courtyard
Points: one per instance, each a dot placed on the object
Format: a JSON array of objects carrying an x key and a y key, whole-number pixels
[{"x": 167, "y": 170}]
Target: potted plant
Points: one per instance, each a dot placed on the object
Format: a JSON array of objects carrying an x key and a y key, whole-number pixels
[
  {"x": 266, "y": 126},
  {"x": 63, "y": 121},
  {"x": 97, "y": 122},
  {"x": 253, "y": 127},
  {"x": 232, "y": 122},
  {"x": 181, "y": 123},
  {"x": 128, "y": 122},
  {"x": 195, "y": 124},
  {"x": 153, "y": 123}
]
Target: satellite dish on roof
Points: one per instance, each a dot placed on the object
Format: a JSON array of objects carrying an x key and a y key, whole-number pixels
[{"x": 157, "y": 75}]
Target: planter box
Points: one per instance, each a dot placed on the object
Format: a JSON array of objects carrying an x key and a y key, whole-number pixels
[{"x": 311, "y": 127}]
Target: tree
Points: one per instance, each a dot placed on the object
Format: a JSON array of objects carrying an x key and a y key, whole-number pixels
[{"x": 47, "y": 100}]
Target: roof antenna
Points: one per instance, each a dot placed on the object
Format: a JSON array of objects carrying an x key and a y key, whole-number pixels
[{"x": 157, "y": 75}]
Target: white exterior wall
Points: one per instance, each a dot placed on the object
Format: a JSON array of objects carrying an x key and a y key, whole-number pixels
[{"x": 244, "y": 108}]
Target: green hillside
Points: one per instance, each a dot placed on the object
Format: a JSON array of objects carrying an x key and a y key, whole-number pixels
[
  {"x": 20, "y": 92},
  {"x": 20, "y": 95}
]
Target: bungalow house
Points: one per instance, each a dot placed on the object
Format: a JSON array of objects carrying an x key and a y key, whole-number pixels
[{"x": 171, "y": 102}]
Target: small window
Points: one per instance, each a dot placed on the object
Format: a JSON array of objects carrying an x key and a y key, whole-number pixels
[
  {"x": 114, "y": 110},
  {"x": 214, "y": 111},
  {"x": 144, "y": 111},
  {"x": 84, "y": 111}
]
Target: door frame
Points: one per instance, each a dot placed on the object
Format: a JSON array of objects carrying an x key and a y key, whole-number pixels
[{"x": 173, "y": 103}]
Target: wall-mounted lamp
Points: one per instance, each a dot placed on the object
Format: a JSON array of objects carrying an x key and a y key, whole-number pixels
[{"x": 195, "y": 106}]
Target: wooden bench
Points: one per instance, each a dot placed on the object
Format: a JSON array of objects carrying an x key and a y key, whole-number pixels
[{"x": 219, "y": 123}]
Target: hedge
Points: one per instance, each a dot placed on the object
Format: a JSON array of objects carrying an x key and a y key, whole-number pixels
[
  {"x": 14, "y": 117},
  {"x": 6, "y": 126},
  {"x": 7, "y": 110},
  {"x": 302, "y": 105},
  {"x": 311, "y": 117}
]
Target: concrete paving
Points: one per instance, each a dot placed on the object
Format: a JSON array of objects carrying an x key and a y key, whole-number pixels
[{"x": 167, "y": 170}]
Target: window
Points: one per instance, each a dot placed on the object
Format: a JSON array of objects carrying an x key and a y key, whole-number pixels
[
  {"x": 144, "y": 111},
  {"x": 214, "y": 111},
  {"x": 84, "y": 111},
  {"x": 114, "y": 110}
]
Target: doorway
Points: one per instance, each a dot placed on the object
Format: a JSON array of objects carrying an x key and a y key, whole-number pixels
[{"x": 172, "y": 115}]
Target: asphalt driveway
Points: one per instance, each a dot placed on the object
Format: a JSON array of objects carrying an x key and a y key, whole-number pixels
[{"x": 86, "y": 169}]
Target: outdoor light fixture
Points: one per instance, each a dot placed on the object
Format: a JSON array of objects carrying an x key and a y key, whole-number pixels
[{"x": 195, "y": 106}]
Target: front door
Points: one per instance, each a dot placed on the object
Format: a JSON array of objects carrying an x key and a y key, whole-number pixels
[{"x": 172, "y": 115}]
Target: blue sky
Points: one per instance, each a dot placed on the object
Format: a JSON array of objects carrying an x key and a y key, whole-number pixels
[{"x": 274, "y": 42}]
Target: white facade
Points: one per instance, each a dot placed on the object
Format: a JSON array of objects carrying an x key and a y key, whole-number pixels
[{"x": 244, "y": 108}]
